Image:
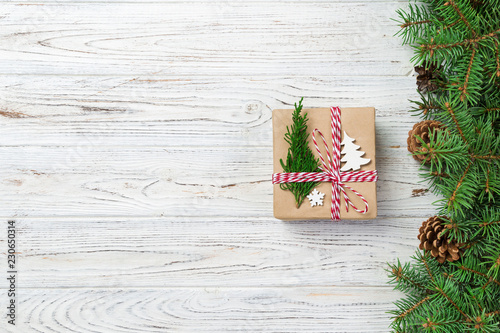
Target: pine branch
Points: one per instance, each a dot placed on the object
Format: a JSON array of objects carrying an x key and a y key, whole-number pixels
[
  {"x": 459, "y": 12},
  {"x": 497, "y": 312},
  {"x": 424, "y": 261},
  {"x": 406, "y": 281},
  {"x": 300, "y": 157},
  {"x": 452, "y": 114},
  {"x": 413, "y": 308},
  {"x": 439, "y": 174},
  {"x": 462, "y": 37},
  {"x": 497, "y": 58},
  {"x": 485, "y": 224},
  {"x": 445, "y": 295},
  {"x": 476, "y": 3},
  {"x": 463, "y": 89},
  {"x": 460, "y": 182},
  {"x": 488, "y": 278},
  {"x": 466, "y": 42},
  {"x": 409, "y": 23},
  {"x": 426, "y": 108},
  {"x": 488, "y": 171},
  {"x": 451, "y": 25},
  {"x": 485, "y": 157}
]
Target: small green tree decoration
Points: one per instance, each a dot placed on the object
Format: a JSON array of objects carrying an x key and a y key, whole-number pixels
[
  {"x": 460, "y": 40},
  {"x": 300, "y": 157}
]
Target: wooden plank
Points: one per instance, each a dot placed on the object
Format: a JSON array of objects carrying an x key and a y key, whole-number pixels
[
  {"x": 206, "y": 38},
  {"x": 155, "y": 181},
  {"x": 136, "y": 156},
  {"x": 195, "y": 111},
  {"x": 209, "y": 252},
  {"x": 221, "y": 2},
  {"x": 319, "y": 309}
]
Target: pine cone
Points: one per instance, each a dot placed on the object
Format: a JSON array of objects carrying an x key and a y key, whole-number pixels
[
  {"x": 422, "y": 129},
  {"x": 427, "y": 74},
  {"x": 439, "y": 245}
]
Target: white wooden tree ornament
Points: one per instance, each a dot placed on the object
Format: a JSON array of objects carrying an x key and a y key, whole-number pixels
[{"x": 352, "y": 156}]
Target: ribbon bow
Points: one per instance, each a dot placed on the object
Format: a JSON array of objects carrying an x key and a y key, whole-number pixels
[{"x": 331, "y": 171}]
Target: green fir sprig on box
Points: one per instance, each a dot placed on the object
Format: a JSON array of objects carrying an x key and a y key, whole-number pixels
[
  {"x": 460, "y": 40},
  {"x": 300, "y": 157}
]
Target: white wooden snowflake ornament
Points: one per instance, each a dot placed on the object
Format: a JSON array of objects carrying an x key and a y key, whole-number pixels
[
  {"x": 316, "y": 198},
  {"x": 352, "y": 156}
]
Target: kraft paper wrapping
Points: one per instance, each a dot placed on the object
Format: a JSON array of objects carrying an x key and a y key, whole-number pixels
[{"x": 359, "y": 123}]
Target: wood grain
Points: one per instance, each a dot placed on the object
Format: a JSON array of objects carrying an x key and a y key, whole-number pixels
[
  {"x": 207, "y": 38},
  {"x": 195, "y": 111},
  {"x": 135, "y": 141},
  {"x": 43, "y": 2},
  {"x": 208, "y": 252},
  {"x": 307, "y": 309},
  {"x": 101, "y": 181}
]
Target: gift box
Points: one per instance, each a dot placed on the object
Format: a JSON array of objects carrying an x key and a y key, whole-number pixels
[{"x": 358, "y": 124}]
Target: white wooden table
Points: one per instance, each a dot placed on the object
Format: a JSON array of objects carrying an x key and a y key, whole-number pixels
[{"x": 136, "y": 157}]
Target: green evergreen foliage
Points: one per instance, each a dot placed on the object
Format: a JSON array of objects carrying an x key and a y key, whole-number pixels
[
  {"x": 462, "y": 37},
  {"x": 300, "y": 157}
]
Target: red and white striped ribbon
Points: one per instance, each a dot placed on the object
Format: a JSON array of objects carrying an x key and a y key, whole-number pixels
[{"x": 331, "y": 171}]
